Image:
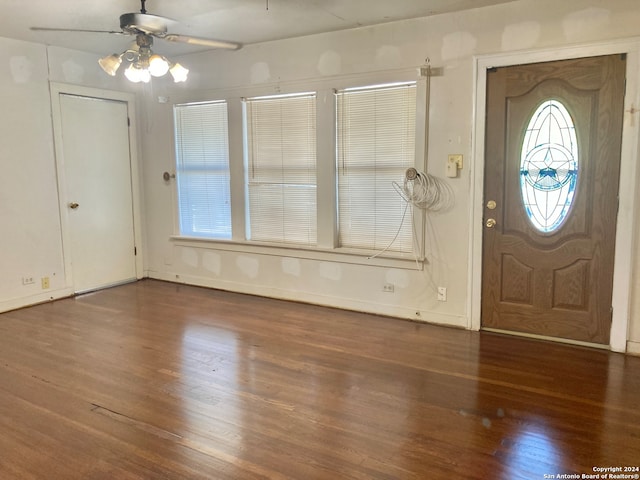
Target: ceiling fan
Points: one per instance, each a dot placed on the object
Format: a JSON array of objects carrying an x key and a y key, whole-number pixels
[{"x": 143, "y": 62}]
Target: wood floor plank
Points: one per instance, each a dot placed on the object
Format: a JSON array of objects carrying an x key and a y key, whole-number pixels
[{"x": 154, "y": 380}]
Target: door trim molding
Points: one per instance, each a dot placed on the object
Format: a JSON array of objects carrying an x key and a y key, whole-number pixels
[
  {"x": 57, "y": 89},
  {"x": 628, "y": 204}
]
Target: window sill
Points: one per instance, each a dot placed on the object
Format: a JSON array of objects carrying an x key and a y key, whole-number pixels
[{"x": 340, "y": 255}]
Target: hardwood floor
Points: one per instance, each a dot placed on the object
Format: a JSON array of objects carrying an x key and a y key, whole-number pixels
[{"x": 155, "y": 380}]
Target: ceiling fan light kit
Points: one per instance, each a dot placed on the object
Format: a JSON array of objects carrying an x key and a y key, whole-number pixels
[{"x": 143, "y": 62}]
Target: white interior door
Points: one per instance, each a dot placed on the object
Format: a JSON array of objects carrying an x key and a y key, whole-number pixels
[{"x": 98, "y": 193}]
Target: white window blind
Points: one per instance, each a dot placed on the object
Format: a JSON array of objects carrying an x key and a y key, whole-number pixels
[
  {"x": 376, "y": 145},
  {"x": 281, "y": 142},
  {"x": 202, "y": 157}
]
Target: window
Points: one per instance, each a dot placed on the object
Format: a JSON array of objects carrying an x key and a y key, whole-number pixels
[
  {"x": 549, "y": 166},
  {"x": 202, "y": 156},
  {"x": 376, "y": 145},
  {"x": 321, "y": 177},
  {"x": 281, "y": 168}
]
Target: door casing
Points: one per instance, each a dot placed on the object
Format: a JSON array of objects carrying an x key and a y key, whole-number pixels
[
  {"x": 56, "y": 90},
  {"x": 626, "y": 224}
]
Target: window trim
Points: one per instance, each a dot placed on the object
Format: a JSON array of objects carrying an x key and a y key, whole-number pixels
[{"x": 339, "y": 255}]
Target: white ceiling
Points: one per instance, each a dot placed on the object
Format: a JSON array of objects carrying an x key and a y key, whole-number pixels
[{"x": 243, "y": 21}]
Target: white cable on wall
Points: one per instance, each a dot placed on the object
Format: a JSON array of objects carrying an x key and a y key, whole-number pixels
[{"x": 425, "y": 191}]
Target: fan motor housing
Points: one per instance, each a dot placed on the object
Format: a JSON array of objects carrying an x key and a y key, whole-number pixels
[{"x": 143, "y": 22}]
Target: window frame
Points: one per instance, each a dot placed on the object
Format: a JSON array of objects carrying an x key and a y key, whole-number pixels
[
  {"x": 182, "y": 170},
  {"x": 258, "y": 176},
  {"x": 402, "y": 217}
]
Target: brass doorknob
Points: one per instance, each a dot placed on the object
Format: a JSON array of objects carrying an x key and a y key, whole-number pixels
[
  {"x": 73, "y": 205},
  {"x": 490, "y": 223}
]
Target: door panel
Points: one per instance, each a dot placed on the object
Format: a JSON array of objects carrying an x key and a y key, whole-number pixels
[
  {"x": 98, "y": 195},
  {"x": 556, "y": 283}
]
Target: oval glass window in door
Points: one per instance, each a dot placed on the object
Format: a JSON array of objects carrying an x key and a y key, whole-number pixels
[{"x": 549, "y": 166}]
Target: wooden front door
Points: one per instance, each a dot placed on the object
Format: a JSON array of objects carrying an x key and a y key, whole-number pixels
[{"x": 553, "y": 139}]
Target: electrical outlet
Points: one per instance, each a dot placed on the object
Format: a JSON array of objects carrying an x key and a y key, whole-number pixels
[
  {"x": 442, "y": 294},
  {"x": 28, "y": 281},
  {"x": 388, "y": 287},
  {"x": 45, "y": 282}
]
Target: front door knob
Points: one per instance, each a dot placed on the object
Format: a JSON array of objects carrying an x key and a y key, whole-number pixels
[
  {"x": 73, "y": 205},
  {"x": 491, "y": 222}
]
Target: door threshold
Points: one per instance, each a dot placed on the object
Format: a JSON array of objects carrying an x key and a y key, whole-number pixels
[{"x": 534, "y": 336}]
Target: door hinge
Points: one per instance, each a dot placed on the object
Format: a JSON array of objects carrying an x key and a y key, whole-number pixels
[
  {"x": 128, "y": 122},
  {"x": 135, "y": 251}
]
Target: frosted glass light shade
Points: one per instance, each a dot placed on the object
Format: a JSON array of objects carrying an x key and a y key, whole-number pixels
[
  {"x": 179, "y": 73},
  {"x": 110, "y": 64}
]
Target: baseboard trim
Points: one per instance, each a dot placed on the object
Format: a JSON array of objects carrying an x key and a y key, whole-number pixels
[
  {"x": 29, "y": 301},
  {"x": 633, "y": 348},
  {"x": 395, "y": 311}
]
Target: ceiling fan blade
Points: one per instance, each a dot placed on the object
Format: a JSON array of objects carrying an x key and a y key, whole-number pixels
[
  {"x": 204, "y": 42},
  {"x": 49, "y": 29}
]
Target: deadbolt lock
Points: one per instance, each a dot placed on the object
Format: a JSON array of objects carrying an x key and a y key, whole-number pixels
[{"x": 491, "y": 204}]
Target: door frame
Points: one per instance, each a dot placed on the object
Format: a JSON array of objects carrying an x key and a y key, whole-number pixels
[
  {"x": 628, "y": 203},
  {"x": 57, "y": 89}
]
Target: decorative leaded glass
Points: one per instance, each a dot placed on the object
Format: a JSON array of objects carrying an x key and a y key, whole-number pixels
[{"x": 549, "y": 166}]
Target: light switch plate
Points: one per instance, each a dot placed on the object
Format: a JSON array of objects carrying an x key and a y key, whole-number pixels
[{"x": 454, "y": 163}]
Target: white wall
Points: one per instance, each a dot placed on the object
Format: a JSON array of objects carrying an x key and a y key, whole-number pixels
[
  {"x": 451, "y": 42},
  {"x": 30, "y": 239}
]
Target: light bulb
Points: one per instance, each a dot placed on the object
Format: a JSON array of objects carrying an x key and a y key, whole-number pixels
[
  {"x": 132, "y": 74},
  {"x": 136, "y": 74},
  {"x": 158, "y": 66},
  {"x": 145, "y": 76}
]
